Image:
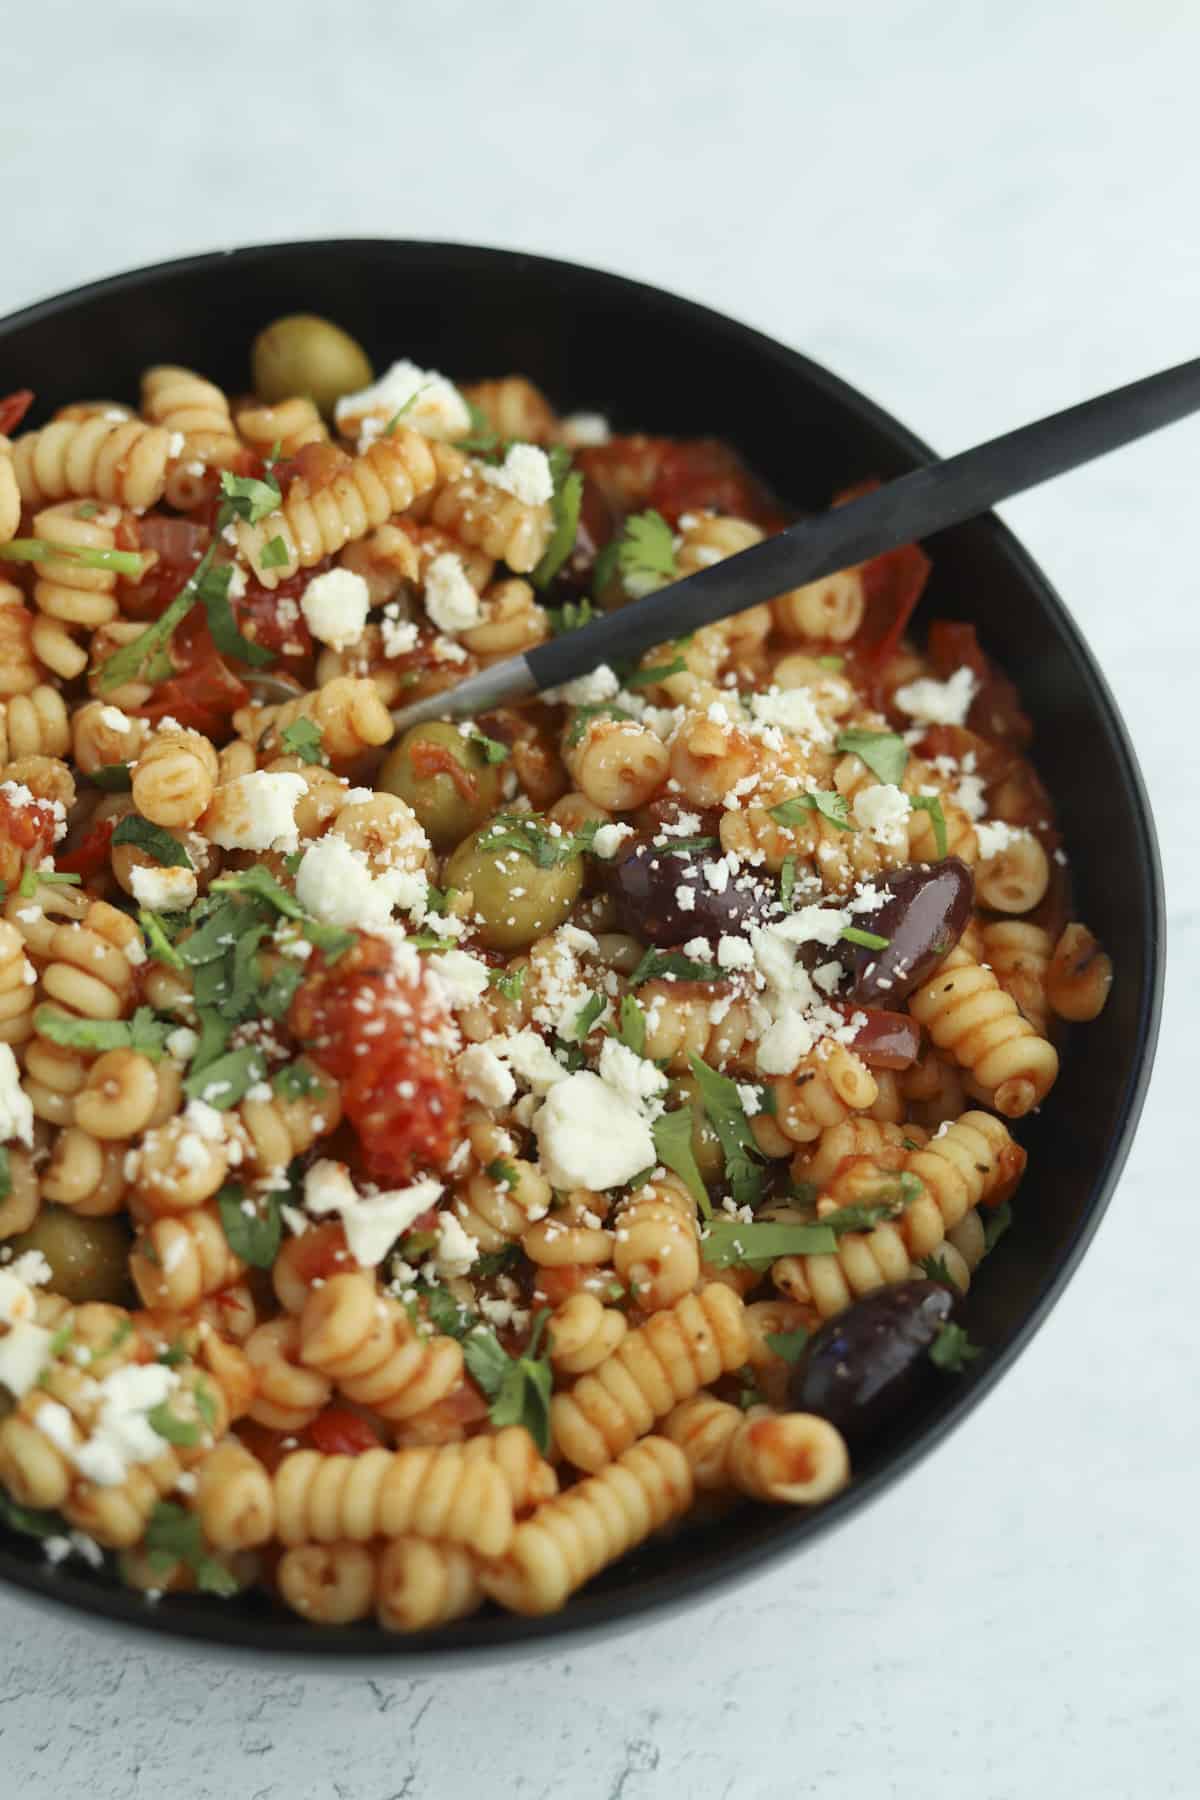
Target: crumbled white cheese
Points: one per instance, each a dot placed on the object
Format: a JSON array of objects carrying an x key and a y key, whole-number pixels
[
  {"x": 257, "y": 812},
  {"x": 122, "y": 1433},
  {"x": 16, "y": 1108},
  {"x": 115, "y": 719},
  {"x": 637, "y": 1080},
  {"x": 584, "y": 430},
  {"x": 162, "y": 890},
  {"x": 883, "y": 811},
  {"x": 609, "y": 838},
  {"x": 792, "y": 710},
  {"x": 524, "y": 473},
  {"x": 994, "y": 836},
  {"x": 685, "y": 897},
  {"x": 24, "y": 1353},
  {"x": 399, "y": 635},
  {"x": 458, "y": 976},
  {"x": 334, "y": 881},
  {"x": 450, "y": 600},
  {"x": 589, "y": 1135},
  {"x": 456, "y": 1250},
  {"x": 783, "y": 1044},
  {"x": 484, "y": 1077},
  {"x": 427, "y": 401},
  {"x": 335, "y": 607},
  {"x": 592, "y": 689},
  {"x": 372, "y": 1222},
  {"x": 735, "y": 953},
  {"x": 182, "y": 1043},
  {"x": 531, "y": 1060},
  {"x": 938, "y": 702}
]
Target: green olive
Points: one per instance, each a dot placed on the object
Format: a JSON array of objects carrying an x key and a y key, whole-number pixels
[
  {"x": 302, "y": 354},
  {"x": 445, "y": 778},
  {"x": 706, "y": 1145},
  {"x": 514, "y": 899},
  {"x": 89, "y": 1258}
]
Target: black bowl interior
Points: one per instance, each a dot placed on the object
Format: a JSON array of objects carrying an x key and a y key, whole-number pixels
[{"x": 658, "y": 363}]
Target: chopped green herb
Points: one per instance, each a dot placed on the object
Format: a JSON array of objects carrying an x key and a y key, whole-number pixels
[
  {"x": 588, "y": 1013},
  {"x": 672, "y": 1133},
  {"x": 248, "y": 499},
  {"x": 114, "y": 778},
  {"x": 572, "y": 615},
  {"x": 729, "y": 1243},
  {"x": 401, "y": 411},
  {"x": 295, "y": 1080},
  {"x": 934, "y": 1267},
  {"x": 494, "y": 1262},
  {"x": 481, "y": 439},
  {"x": 884, "y": 752},
  {"x": 173, "y": 1535},
  {"x": 835, "y": 664},
  {"x": 185, "y": 1432},
  {"x": 253, "y": 1227},
  {"x": 518, "y": 1387},
  {"x": 727, "y": 1115},
  {"x": 445, "y": 1313},
  {"x": 213, "y": 590},
  {"x": 831, "y": 806},
  {"x": 930, "y": 803},
  {"x": 952, "y": 1349},
  {"x": 502, "y": 1172},
  {"x": 274, "y": 553},
  {"x": 303, "y": 739},
  {"x": 153, "y": 840},
  {"x": 32, "y": 879},
  {"x": 686, "y": 846},
  {"x": 788, "y": 1344},
  {"x": 660, "y": 672},
  {"x": 259, "y": 881},
  {"x": 330, "y": 940},
  {"x": 868, "y": 940},
  {"x": 646, "y": 553},
  {"x": 158, "y": 942},
  {"x": 173, "y": 1355},
  {"x": 787, "y": 882},
  {"x": 224, "y": 1082},
  {"x": 529, "y": 835},
  {"x": 34, "y": 550},
  {"x": 26, "y": 1520},
  {"x": 566, "y": 504},
  {"x": 508, "y": 982},
  {"x": 582, "y": 716},
  {"x": 631, "y": 1026},
  {"x": 658, "y": 963},
  {"x": 491, "y": 749},
  {"x": 148, "y": 657},
  {"x": 143, "y": 1032},
  {"x": 62, "y": 1337},
  {"x": 749, "y": 1392}
]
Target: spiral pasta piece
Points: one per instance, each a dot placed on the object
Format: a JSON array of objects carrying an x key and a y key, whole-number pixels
[
  {"x": 233, "y": 1498},
  {"x": 291, "y": 424},
  {"x": 488, "y": 518},
  {"x": 287, "y": 1395},
  {"x": 177, "y": 1261},
  {"x": 174, "y": 778},
  {"x": 657, "y": 1249},
  {"x": 17, "y": 977},
  {"x": 348, "y": 712},
  {"x": 328, "y": 1584},
  {"x": 1079, "y": 976},
  {"x": 275, "y": 1131},
  {"x": 828, "y": 609},
  {"x": 583, "y": 1332},
  {"x": 369, "y": 1347},
  {"x": 419, "y": 1585},
  {"x": 18, "y": 665},
  {"x": 314, "y": 522},
  {"x": 824, "y": 1088},
  {"x": 10, "y": 494},
  {"x": 668, "y": 1359},
  {"x": 685, "y": 1019},
  {"x": 514, "y": 407},
  {"x": 433, "y": 1493},
  {"x": 795, "y": 1459},
  {"x": 122, "y": 461},
  {"x": 569, "y": 1539},
  {"x": 966, "y": 1011},
  {"x": 530, "y": 1478},
  {"x": 1018, "y": 954},
  {"x": 973, "y": 1162}
]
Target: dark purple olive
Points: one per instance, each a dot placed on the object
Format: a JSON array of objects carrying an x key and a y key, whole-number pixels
[
  {"x": 648, "y": 879},
  {"x": 868, "y": 1363},
  {"x": 923, "y": 913}
]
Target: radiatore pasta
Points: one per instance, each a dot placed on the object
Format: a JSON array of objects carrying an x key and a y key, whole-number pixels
[{"x": 425, "y": 1161}]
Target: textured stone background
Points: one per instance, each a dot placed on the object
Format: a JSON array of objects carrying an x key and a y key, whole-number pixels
[{"x": 976, "y": 214}]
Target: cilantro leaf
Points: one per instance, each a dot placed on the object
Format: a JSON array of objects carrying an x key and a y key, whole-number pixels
[
  {"x": 491, "y": 749},
  {"x": 274, "y": 553},
  {"x": 788, "y": 1344},
  {"x": 494, "y": 1262},
  {"x": 25, "y": 1519},
  {"x": 34, "y": 550},
  {"x": 631, "y": 1026},
  {"x": 259, "y": 882},
  {"x": 934, "y": 1268},
  {"x": 586, "y": 1017},
  {"x": 656, "y": 963},
  {"x": 503, "y": 1172},
  {"x": 295, "y": 1080},
  {"x": 787, "y": 883},
  {"x": 572, "y": 615},
  {"x": 158, "y": 942},
  {"x": 727, "y": 1115},
  {"x": 248, "y": 499},
  {"x": 508, "y": 982},
  {"x": 518, "y": 1387},
  {"x": 114, "y": 778},
  {"x": 831, "y": 806},
  {"x": 931, "y": 804},
  {"x": 659, "y": 672},
  {"x": 213, "y": 589},
  {"x": 143, "y": 1032},
  {"x": 672, "y": 1133},
  {"x": 173, "y": 1535},
  {"x": 952, "y": 1349},
  {"x": 32, "y": 879},
  {"x": 446, "y": 1314},
  {"x": 646, "y": 553},
  {"x": 153, "y": 841},
  {"x": 582, "y": 716},
  {"x": 224, "y": 1082},
  {"x": 729, "y": 1242},
  {"x": 147, "y": 658},
  {"x": 868, "y": 940},
  {"x": 303, "y": 739},
  {"x": 566, "y": 503},
  {"x": 252, "y": 1234},
  {"x": 530, "y": 836},
  {"x": 884, "y": 752},
  {"x": 185, "y": 1432}
]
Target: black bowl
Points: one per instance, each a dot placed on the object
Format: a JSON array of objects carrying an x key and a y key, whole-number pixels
[{"x": 657, "y": 363}]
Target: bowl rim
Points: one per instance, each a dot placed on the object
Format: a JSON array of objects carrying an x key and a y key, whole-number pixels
[{"x": 589, "y": 1617}]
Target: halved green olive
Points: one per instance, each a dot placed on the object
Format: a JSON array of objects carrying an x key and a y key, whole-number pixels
[
  {"x": 88, "y": 1258},
  {"x": 446, "y": 779},
  {"x": 514, "y": 899},
  {"x": 303, "y": 354}
]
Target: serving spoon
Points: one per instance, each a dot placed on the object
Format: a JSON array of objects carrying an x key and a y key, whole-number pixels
[{"x": 929, "y": 499}]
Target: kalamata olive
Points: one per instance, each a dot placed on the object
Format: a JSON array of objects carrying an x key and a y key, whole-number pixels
[
  {"x": 923, "y": 913},
  {"x": 647, "y": 879},
  {"x": 869, "y": 1362},
  {"x": 887, "y": 1040}
]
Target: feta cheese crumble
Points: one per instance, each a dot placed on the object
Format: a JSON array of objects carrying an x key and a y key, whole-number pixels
[
  {"x": 257, "y": 812},
  {"x": 335, "y": 607},
  {"x": 524, "y": 473},
  {"x": 938, "y": 702}
]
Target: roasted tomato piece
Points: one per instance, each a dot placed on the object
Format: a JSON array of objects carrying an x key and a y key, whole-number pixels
[{"x": 336, "y": 1431}]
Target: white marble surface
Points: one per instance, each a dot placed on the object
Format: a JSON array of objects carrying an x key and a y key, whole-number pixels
[{"x": 977, "y": 214}]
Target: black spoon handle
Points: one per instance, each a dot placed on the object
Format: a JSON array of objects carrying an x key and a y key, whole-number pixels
[{"x": 928, "y": 500}]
